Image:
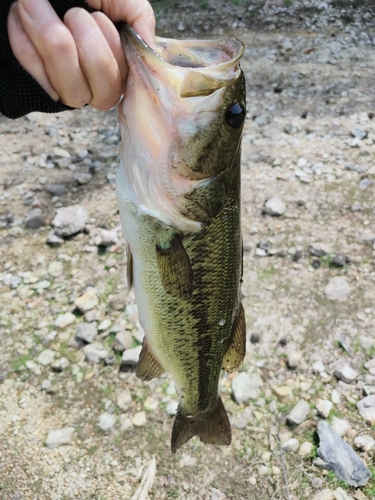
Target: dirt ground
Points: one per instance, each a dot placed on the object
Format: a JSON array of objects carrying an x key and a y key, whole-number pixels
[{"x": 310, "y": 140}]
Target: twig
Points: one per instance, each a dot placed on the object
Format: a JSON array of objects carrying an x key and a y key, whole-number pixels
[
  {"x": 285, "y": 472},
  {"x": 146, "y": 483}
]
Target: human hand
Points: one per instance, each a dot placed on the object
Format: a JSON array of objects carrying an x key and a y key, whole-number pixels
[{"x": 79, "y": 60}]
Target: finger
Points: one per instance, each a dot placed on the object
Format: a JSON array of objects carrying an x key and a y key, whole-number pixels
[
  {"x": 25, "y": 52},
  {"x": 138, "y": 13},
  {"x": 56, "y": 46},
  {"x": 114, "y": 41},
  {"x": 96, "y": 58}
]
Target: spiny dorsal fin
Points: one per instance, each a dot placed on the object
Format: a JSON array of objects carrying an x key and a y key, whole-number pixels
[
  {"x": 175, "y": 268},
  {"x": 129, "y": 268},
  {"x": 237, "y": 348},
  {"x": 148, "y": 366},
  {"x": 211, "y": 426}
]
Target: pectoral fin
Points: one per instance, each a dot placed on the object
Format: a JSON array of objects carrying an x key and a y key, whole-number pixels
[
  {"x": 148, "y": 366},
  {"x": 237, "y": 348},
  {"x": 129, "y": 268},
  {"x": 175, "y": 268}
]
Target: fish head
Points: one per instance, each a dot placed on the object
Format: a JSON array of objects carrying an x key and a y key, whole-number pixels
[{"x": 181, "y": 121}]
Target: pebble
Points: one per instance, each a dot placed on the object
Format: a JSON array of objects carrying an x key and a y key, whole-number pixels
[
  {"x": 318, "y": 367},
  {"x": 246, "y": 387},
  {"x": 125, "y": 423},
  {"x": 60, "y": 364},
  {"x": 59, "y": 437},
  {"x": 340, "y": 494},
  {"x": 325, "y": 494},
  {"x": 69, "y": 220},
  {"x": 291, "y": 445},
  {"x": 54, "y": 239},
  {"x": 364, "y": 443},
  {"x": 337, "y": 288},
  {"x": 82, "y": 178},
  {"x": 346, "y": 373},
  {"x": 319, "y": 249},
  {"x": 335, "y": 397},
  {"x": 124, "y": 399},
  {"x": 299, "y": 413},
  {"x": 46, "y": 357},
  {"x": 123, "y": 341},
  {"x": 130, "y": 356},
  {"x": 370, "y": 366},
  {"x": 87, "y": 300},
  {"x": 35, "y": 219},
  {"x": 294, "y": 358},
  {"x": 106, "y": 238},
  {"x": 359, "y": 133},
  {"x": 95, "y": 352},
  {"x": 104, "y": 325},
  {"x": 64, "y": 320},
  {"x": 33, "y": 367},
  {"x": 305, "y": 449},
  {"x": 365, "y": 183},
  {"x": 106, "y": 421},
  {"x": 171, "y": 408},
  {"x": 86, "y": 332},
  {"x": 139, "y": 419},
  {"x": 324, "y": 407},
  {"x": 340, "y": 425},
  {"x": 366, "y": 408},
  {"x": 118, "y": 302},
  {"x": 283, "y": 393},
  {"x": 151, "y": 404},
  {"x": 274, "y": 206}
]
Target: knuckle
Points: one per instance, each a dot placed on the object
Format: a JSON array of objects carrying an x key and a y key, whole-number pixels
[{"x": 60, "y": 41}]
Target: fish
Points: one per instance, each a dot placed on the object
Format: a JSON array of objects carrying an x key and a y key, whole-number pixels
[{"x": 178, "y": 191}]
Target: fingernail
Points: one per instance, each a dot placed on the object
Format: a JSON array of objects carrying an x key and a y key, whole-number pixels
[
  {"x": 81, "y": 24},
  {"x": 38, "y": 10}
]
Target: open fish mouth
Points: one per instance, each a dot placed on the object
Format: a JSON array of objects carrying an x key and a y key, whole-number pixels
[{"x": 174, "y": 95}]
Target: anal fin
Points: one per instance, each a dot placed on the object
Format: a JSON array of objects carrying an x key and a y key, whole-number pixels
[
  {"x": 148, "y": 366},
  {"x": 211, "y": 426},
  {"x": 237, "y": 348},
  {"x": 175, "y": 269}
]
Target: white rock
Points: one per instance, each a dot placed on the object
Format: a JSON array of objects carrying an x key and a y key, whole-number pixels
[
  {"x": 33, "y": 367},
  {"x": 69, "y": 220},
  {"x": 340, "y": 494},
  {"x": 305, "y": 449},
  {"x": 86, "y": 332},
  {"x": 139, "y": 419},
  {"x": 104, "y": 325},
  {"x": 324, "y": 407},
  {"x": 337, "y": 288},
  {"x": 106, "y": 421},
  {"x": 95, "y": 352},
  {"x": 325, "y": 494},
  {"x": 46, "y": 357},
  {"x": 340, "y": 425},
  {"x": 364, "y": 443},
  {"x": 366, "y": 408},
  {"x": 346, "y": 373},
  {"x": 64, "y": 320},
  {"x": 87, "y": 301},
  {"x": 125, "y": 423},
  {"x": 246, "y": 387},
  {"x": 274, "y": 206},
  {"x": 290, "y": 445},
  {"x": 59, "y": 437},
  {"x": 318, "y": 367},
  {"x": 171, "y": 408},
  {"x": 124, "y": 399},
  {"x": 294, "y": 358},
  {"x": 56, "y": 268},
  {"x": 130, "y": 356},
  {"x": 335, "y": 397},
  {"x": 370, "y": 366},
  {"x": 151, "y": 403},
  {"x": 299, "y": 413}
]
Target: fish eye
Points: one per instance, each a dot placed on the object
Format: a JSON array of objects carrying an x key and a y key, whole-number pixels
[{"x": 235, "y": 115}]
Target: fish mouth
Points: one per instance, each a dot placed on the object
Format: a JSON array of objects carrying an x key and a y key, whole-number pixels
[{"x": 208, "y": 65}]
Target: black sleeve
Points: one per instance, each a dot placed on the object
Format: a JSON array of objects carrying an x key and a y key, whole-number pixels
[{"x": 19, "y": 92}]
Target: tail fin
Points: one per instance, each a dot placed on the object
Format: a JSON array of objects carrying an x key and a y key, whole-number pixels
[{"x": 211, "y": 426}]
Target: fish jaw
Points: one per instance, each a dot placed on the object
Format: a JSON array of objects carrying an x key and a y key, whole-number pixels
[{"x": 164, "y": 112}]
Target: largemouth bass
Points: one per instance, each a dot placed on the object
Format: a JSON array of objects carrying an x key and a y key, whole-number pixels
[{"x": 178, "y": 189}]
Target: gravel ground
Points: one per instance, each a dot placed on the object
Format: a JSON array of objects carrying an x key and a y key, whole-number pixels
[{"x": 309, "y": 149}]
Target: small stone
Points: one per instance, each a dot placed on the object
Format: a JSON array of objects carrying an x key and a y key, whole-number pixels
[
  {"x": 33, "y": 367},
  {"x": 294, "y": 358},
  {"x": 139, "y": 419},
  {"x": 283, "y": 393},
  {"x": 110, "y": 360},
  {"x": 86, "y": 332},
  {"x": 87, "y": 301},
  {"x": 118, "y": 302},
  {"x": 123, "y": 341},
  {"x": 59, "y": 437},
  {"x": 324, "y": 407},
  {"x": 299, "y": 413},
  {"x": 46, "y": 385},
  {"x": 366, "y": 342},
  {"x": 305, "y": 449},
  {"x": 59, "y": 365},
  {"x": 318, "y": 367},
  {"x": 346, "y": 374},
  {"x": 106, "y": 421},
  {"x": 125, "y": 423},
  {"x": 306, "y": 426},
  {"x": 335, "y": 397},
  {"x": 53, "y": 239},
  {"x": 274, "y": 206},
  {"x": 364, "y": 443},
  {"x": 325, "y": 494},
  {"x": 151, "y": 404},
  {"x": 95, "y": 352},
  {"x": 366, "y": 408},
  {"x": 35, "y": 219},
  {"x": 56, "y": 268},
  {"x": 291, "y": 445},
  {"x": 319, "y": 249},
  {"x": 290, "y": 129},
  {"x": 104, "y": 325},
  {"x": 60, "y": 153},
  {"x": 124, "y": 399},
  {"x": 64, "y": 320},
  {"x": 82, "y": 178},
  {"x": 106, "y": 238},
  {"x": 46, "y": 357},
  {"x": 339, "y": 260},
  {"x": 171, "y": 408},
  {"x": 359, "y": 133},
  {"x": 340, "y": 494},
  {"x": 130, "y": 356},
  {"x": 356, "y": 207},
  {"x": 246, "y": 387},
  {"x": 364, "y": 184},
  {"x": 340, "y": 425},
  {"x": 69, "y": 220},
  {"x": 370, "y": 366},
  {"x": 369, "y": 390},
  {"x": 337, "y": 289},
  {"x": 259, "y": 252}
]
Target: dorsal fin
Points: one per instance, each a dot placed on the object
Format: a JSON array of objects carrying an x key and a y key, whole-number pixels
[{"x": 237, "y": 347}]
